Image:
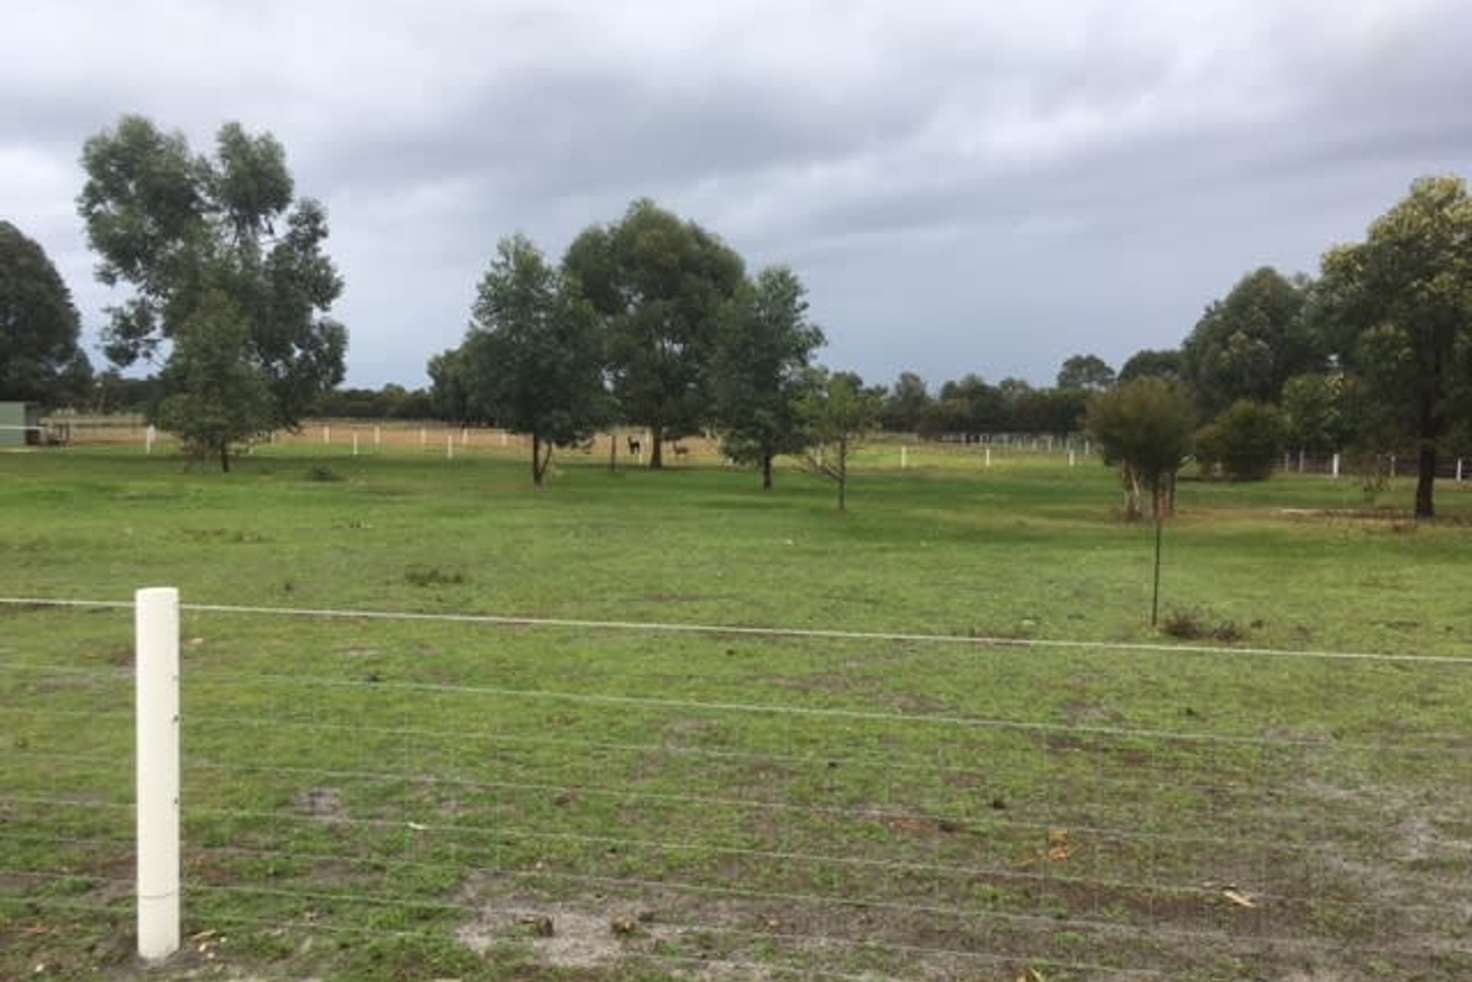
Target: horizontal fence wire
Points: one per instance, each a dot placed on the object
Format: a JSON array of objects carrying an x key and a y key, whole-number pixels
[
  {"x": 971, "y": 640},
  {"x": 793, "y": 834}
]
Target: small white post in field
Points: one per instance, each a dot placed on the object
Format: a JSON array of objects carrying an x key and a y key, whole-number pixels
[
  {"x": 449, "y": 446},
  {"x": 149, "y": 436},
  {"x": 156, "y": 636},
  {"x": 377, "y": 437},
  {"x": 1300, "y": 460},
  {"x": 355, "y": 444},
  {"x": 503, "y": 438},
  {"x": 1334, "y": 466},
  {"x": 903, "y": 461},
  {"x": 1071, "y": 458},
  {"x": 422, "y": 437},
  {"x": 464, "y": 435},
  {"x": 326, "y": 434},
  {"x": 1050, "y": 444},
  {"x": 1459, "y": 470},
  {"x": 271, "y": 437},
  {"x": 1086, "y": 448},
  {"x": 1286, "y": 461},
  {"x": 988, "y": 456}
]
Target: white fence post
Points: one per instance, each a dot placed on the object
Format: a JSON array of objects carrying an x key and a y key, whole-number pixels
[
  {"x": 449, "y": 446},
  {"x": 1071, "y": 458},
  {"x": 422, "y": 437},
  {"x": 1459, "y": 470},
  {"x": 377, "y": 437},
  {"x": 326, "y": 434},
  {"x": 149, "y": 435},
  {"x": 903, "y": 461},
  {"x": 503, "y": 438},
  {"x": 1334, "y": 466},
  {"x": 988, "y": 456},
  {"x": 156, "y": 631},
  {"x": 464, "y": 435},
  {"x": 355, "y": 443},
  {"x": 1300, "y": 460}
]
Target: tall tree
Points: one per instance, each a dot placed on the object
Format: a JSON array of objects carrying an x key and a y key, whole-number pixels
[
  {"x": 449, "y": 391},
  {"x": 660, "y": 284},
  {"x": 221, "y": 396},
  {"x": 177, "y": 227},
  {"x": 1249, "y": 343},
  {"x": 974, "y": 406},
  {"x": 1145, "y": 427},
  {"x": 1088, "y": 372},
  {"x": 763, "y": 348},
  {"x": 1399, "y": 309},
  {"x": 906, "y": 404},
  {"x": 1314, "y": 411},
  {"x": 838, "y": 411},
  {"x": 533, "y": 355},
  {"x": 40, "y": 360}
]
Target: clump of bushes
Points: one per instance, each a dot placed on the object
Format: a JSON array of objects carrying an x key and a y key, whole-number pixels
[
  {"x": 1193, "y": 624},
  {"x": 321, "y": 472},
  {"x": 432, "y": 576},
  {"x": 1243, "y": 443}
]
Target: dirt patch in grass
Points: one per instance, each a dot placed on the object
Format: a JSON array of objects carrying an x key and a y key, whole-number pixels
[{"x": 323, "y": 804}]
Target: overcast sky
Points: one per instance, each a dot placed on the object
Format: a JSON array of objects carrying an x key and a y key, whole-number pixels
[{"x": 963, "y": 186}]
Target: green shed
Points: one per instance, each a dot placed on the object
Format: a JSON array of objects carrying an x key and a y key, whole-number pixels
[{"x": 17, "y": 420}]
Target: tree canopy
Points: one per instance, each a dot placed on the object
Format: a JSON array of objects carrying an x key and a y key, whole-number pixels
[
  {"x": 1088, "y": 372},
  {"x": 1160, "y": 363},
  {"x": 1399, "y": 311},
  {"x": 660, "y": 285},
  {"x": 764, "y": 345},
  {"x": 178, "y": 227},
  {"x": 40, "y": 359},
  {"x": 1144, "y": 426},
  {"x": 220, "y": 396},
  {"x": 533, "y": 357},
  {"x": 1250, "y": 342},
  {"x": 837, "y": 410}
]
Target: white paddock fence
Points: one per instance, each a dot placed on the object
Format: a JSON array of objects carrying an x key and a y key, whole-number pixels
[{"x": 733, "y": 801}]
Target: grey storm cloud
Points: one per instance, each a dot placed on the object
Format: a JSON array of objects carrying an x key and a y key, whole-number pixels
[{"x": 964, "y": 187}]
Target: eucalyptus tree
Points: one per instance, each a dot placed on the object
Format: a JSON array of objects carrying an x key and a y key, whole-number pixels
[{"x": 184, "y": 230}]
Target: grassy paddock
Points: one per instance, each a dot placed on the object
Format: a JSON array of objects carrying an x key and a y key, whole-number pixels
[{"x": 393, "y": 799}]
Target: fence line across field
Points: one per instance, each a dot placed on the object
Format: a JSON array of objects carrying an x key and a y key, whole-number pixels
[
  {"x": 738, "y": 630},
  {"x": 843, "y": 883},
  {"x": 905, "y": 448}
]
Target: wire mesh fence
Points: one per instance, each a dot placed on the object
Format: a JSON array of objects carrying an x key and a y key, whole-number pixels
[{"x": 709, "y": 802}]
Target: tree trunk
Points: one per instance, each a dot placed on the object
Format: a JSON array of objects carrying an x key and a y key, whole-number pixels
[
  {"x": 613, "y": 451},
  {"x": 1131, "y": 493},
  {"x": 843, "y": 474},
  {"x": 536, "y": 460},
  {"x": 656, "y": 448},
  {"x": 225, "y": 457},
  {"x": 766, "y": 472},
  {"x": 1425, "y": 479}
]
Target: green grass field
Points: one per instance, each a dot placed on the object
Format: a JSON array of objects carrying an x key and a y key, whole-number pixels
[{"x": 407, "y": 799}]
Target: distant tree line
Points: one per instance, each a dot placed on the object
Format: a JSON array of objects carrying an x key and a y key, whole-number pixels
[
  {"x": 651, "y": 321},
  {"x": 1370, "y": 359},
  {"x": 655, "y": 322}
]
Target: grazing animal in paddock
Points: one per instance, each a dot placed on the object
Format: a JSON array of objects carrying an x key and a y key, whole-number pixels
[
  {"x": 636, "y": 448},
  {"x": 681, "y": 451}
]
